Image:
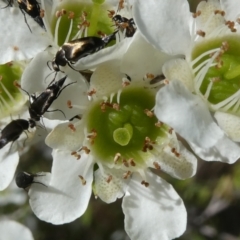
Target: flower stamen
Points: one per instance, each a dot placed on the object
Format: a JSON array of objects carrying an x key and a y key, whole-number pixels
[
  {"x": 109, "y": 179},
  {"x": 156, "y": 165},
  {"x": 149, "y": 113},
  {"x": 82, "y": 180},
  {"x": 201, "y": 33},
  {"x": 146, "y": 184},
  {"x": 59, "y": 15},
  {"x": 127, "y": 175},
  {"x": 72, "y": 127},
  {"x": 76, "y": 155},
  {"x": 92, "y": 135},
  {"x": 116, "y": 157},
  {"x": 70, "y": 105}
]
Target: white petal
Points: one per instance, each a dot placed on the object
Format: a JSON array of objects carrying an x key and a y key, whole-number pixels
[
  {"x": 65, "y": 138},
  {"x": 64, "y": 198},
  {"x": 208, "y": 21},
  {"x": 188, "y": 115},
  {"x": 11, "y": 230},
  {"x": 107, "y": 78},
  {"x": 165, "y": 24},
  {"x": 142, "y": 58},
  {"x": 41, "y": 132},
  {"x": 230, "y": 124},
  {"x": 231, "y": 8},
  {"x": 179, "y": 69},
  {"x": 17, "y": 42},
  {"x": 182, "y": 166},
  {"x": 34, "y": 77},
  {"x": 37, "y": 76},
  {"x": 110, "y": 184},
  {"x": 153, "y": 212},
  {"x": 8, "y": 164}
]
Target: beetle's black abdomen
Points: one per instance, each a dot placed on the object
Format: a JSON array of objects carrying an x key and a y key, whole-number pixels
[{"x": 13, "y": 131}]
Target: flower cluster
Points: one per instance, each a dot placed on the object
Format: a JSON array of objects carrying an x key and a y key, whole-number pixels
[{"x": 119, "y": 84}]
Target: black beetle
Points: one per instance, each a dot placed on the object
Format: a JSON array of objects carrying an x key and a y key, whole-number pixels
[
  {"x": 72, "y": 51},
  {"x": 30, "y": 7},
  {"x": 24, "y": 179},
  {"x": 41, "y": 103},
  {"x": 14, "y": 129},
  {"x": 123, "y": 23}
]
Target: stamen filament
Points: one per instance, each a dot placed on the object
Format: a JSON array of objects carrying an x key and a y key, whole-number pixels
[
  {"x": 78, "y": 34},
  {"x": 118, "y": 96},
  {"x": 56, "y": 31},
  {"x": 196, "y": 69},
  {"x": 236, "y": 107},
  {"x": 4, "y": 102},
  {"x": 69, "y": 31},
  {"x": 79, "y": 107},
  {"x": 226, "y": 101},
  {"x": 200, "y": 76},
  {"x": 209, "y": 88},
  {"x": 8, "y": 93},
  {"x": 204, "y": 55}
]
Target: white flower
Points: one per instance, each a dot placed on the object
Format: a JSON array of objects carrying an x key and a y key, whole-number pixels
[
  {"x": 11, "y": 230},
  {"x": 208, "y": 76},
  {"x": 117, "y": 132}
]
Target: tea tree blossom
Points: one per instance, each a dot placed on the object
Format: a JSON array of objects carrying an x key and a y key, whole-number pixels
[
  {"x": 206, "y": 80},
  {"x": 118, "y": 133},
  {"x": 115, "y": 139}
]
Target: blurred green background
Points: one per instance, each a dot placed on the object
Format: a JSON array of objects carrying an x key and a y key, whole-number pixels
[{"x": 212, "y": 199}]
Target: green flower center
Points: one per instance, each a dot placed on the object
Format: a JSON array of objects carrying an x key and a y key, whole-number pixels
[
  {"x": 218, "y": 72},
  {"x": 94, "y": 12},
  {"x": 9, "y": 93},
  {"x": 122, "y": 129}
]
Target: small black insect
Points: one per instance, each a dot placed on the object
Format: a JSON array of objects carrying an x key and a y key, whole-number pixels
[
  {"x": 30, "y": 7},
  {"x": 123, "y": 23},
  {"x": 25, "y": 180},
  {"x": 41, "y": 103},
  {"x": 72, "y": 51},
  {"x": 14, "y": 129}
]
